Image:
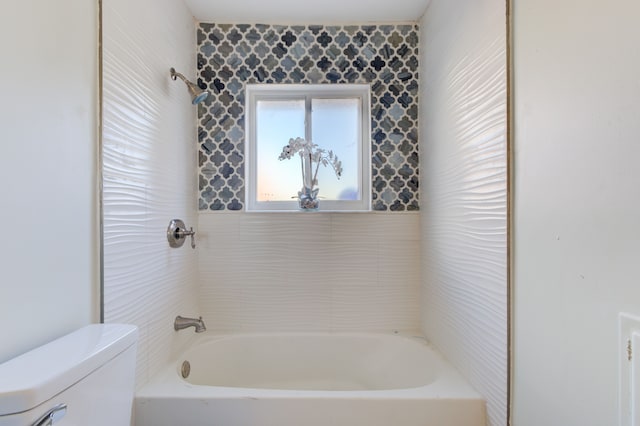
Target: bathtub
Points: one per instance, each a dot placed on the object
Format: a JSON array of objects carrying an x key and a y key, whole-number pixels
[{"x": 310, "y": 379}]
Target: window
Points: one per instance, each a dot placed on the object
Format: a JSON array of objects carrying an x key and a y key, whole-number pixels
[{"x": 335, "y": 117}]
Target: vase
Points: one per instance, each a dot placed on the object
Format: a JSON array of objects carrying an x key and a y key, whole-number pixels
[{"x": 308, "y": 199}]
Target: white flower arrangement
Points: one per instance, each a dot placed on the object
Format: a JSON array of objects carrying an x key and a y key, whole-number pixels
[{"x": 311, "y": 157}]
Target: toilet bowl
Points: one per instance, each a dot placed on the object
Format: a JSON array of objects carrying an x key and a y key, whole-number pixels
[{"x": 84, "y": 378}]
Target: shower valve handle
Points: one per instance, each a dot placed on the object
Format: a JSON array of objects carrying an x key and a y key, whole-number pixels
[
  {"x": 177, "y": 233},
  {"x": 183, "y": 233}
]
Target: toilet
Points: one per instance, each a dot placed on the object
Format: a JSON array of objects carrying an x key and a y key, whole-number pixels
[{"x": 84, "y": 378}]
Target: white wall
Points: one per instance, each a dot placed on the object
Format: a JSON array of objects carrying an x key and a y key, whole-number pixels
[
  {"x": 149, "y": 172},
  {"x": 463, "y": 188},
  {"x": 48, "y": 110},
  {"x": 577, "y": 205},
  {"x": 309, "y": 272}
]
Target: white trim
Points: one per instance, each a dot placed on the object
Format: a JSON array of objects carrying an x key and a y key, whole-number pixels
[{"x": 255, "y": 92}]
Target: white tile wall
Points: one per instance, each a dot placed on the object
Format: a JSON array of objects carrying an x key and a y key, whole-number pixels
[
  {"x": 464, "y": 180},
  {"x": 317, "y": 271},
  {"x": 149, "y": 172}
]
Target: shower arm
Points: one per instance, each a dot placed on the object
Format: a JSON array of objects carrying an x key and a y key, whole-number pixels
[
  {"x": 197, "y": 94},
  {"x": 175, "y": 74}
]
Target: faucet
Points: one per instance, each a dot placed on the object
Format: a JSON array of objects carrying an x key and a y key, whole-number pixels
[{"x": 182, "y": 322}]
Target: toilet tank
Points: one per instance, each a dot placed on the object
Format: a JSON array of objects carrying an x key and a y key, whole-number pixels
[{"x": 85, "y": 378}]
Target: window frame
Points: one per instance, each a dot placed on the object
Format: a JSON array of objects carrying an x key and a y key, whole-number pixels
[{"x": 258, "y": 92}]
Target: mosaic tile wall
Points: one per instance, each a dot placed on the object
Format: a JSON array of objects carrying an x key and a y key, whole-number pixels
[{"x": 232, "y": 55}]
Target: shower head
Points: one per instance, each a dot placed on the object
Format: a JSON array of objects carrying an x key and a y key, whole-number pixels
[{"x": 197, "y": 94}]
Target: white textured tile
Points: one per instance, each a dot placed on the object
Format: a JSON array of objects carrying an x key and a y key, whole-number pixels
[
  {"x": 463, "y": 169},
  {"x": 217, "y": 231},
  {"x": 399, "y": 263},
  {"x": 221, "y": 307},
  {"x": 376, "y": 227},
  {"x": 289, "y": 308},
  {"x": 149, "y": 156},
  {"x": 376, "y": 308},
  {"x": 307, "y": 264},
  {"x": 285, "y": 227},
  {"x": 353, "y": 263},
  {"x": 295, "y": 271}
]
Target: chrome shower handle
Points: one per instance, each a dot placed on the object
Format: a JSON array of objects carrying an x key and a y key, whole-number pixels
[
  {"x": 183, "y": 233},
  {"x": 177, "y": 233}
]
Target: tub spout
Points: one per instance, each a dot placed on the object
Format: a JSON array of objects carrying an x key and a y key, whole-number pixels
[{"x": 182, "y": 322}]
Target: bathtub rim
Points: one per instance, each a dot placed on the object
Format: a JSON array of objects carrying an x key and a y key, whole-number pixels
[{"x": 167, "y": 383}]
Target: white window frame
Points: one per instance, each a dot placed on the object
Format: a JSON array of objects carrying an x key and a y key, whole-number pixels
[{"x": 258, "y": 92}]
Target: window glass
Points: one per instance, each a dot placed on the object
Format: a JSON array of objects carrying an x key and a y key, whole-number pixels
[
  {"x": 335, "y": 126},
  {"x": 276, "y": 122}
]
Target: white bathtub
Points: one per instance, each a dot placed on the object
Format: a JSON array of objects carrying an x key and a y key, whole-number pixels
[{"x": 311, "y": 379}]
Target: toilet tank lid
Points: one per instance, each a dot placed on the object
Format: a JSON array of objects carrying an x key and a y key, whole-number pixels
[{"x": 36, "y": 376}]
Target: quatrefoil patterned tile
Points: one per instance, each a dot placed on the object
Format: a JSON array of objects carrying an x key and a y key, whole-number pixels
[{"x": 233, "y": 55}]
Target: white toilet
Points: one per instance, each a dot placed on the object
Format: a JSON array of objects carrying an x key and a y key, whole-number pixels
[{"x": 85, "y": 378}]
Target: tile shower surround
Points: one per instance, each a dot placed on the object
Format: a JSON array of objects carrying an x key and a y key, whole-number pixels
[{"x": 233, "y": 55}]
